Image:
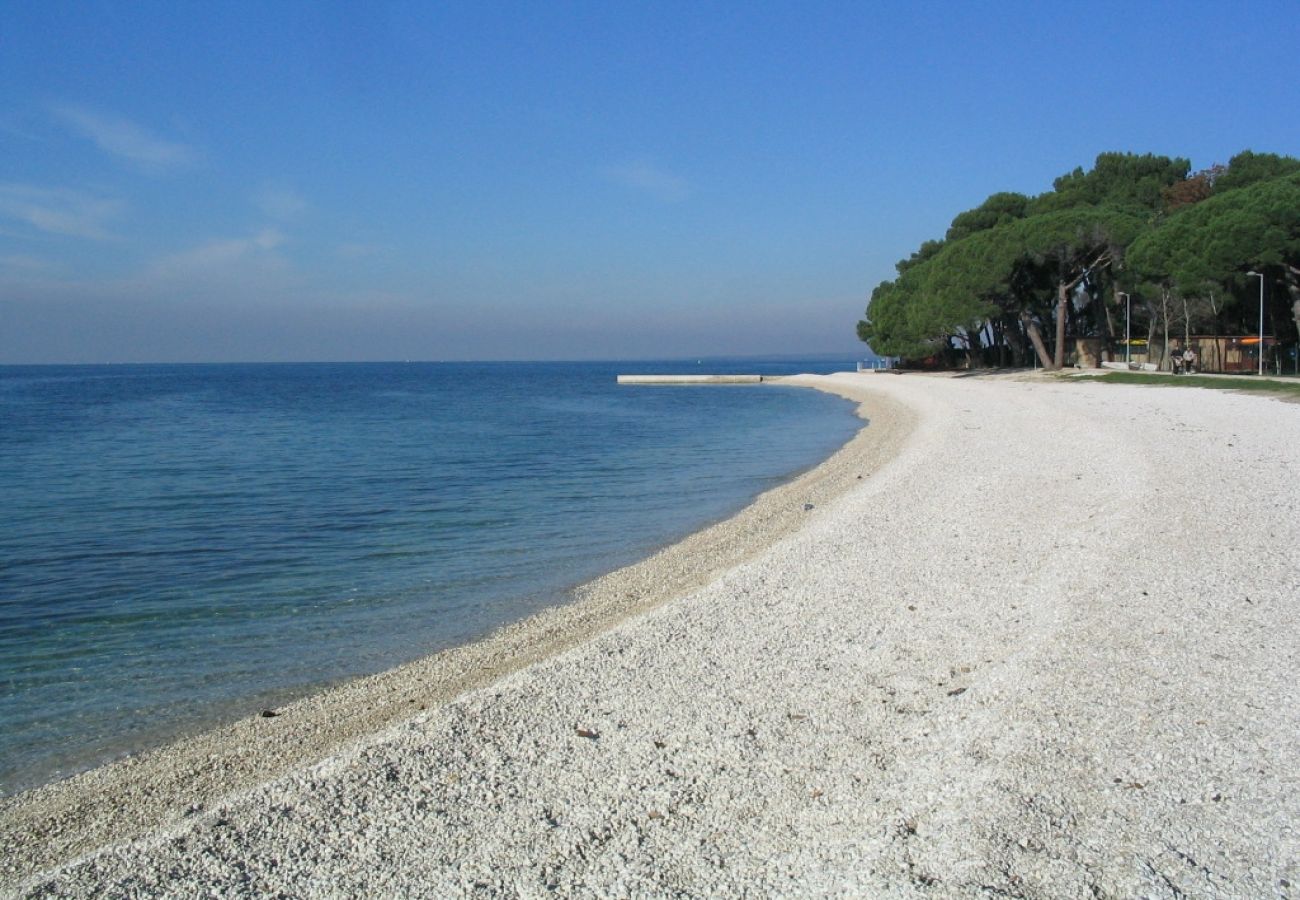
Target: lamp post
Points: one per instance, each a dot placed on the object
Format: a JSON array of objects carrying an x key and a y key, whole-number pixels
[
  {"x": 1128, "y": 331},
  {"x": 1260, "y": 276}
]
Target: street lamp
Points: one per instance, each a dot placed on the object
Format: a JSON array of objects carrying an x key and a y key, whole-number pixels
[
  {"x": 1128, "y": 331},
  {"x": 1261, "y": 317}
]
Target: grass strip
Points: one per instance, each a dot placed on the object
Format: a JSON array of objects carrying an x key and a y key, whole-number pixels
[{"x": 1273, "y": 385}]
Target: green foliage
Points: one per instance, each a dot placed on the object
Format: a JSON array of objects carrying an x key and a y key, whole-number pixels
[
  {"x": 1068, "y": 238},
  {"x": 927, "y": 250},
  {"x": 1247, "y": 168},
  {"x": 999, "y": 209},
  {"x": 883, "y": 332},
  {"x": 971, "y": 269},
  {"x": 889, "y": 332},
  {"x": 1116, "y": 179},
  {"x": 1215, "y": 241},
  {"x": 910, "y": 319}
]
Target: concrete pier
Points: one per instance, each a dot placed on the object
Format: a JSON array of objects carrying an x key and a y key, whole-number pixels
[{"x": 693, "y": 379}]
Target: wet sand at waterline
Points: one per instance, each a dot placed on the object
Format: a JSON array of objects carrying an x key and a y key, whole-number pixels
[{"x": 1025, "y": 637}]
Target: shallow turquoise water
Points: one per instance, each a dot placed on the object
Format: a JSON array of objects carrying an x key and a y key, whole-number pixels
[{"x": 184, "y": 544}]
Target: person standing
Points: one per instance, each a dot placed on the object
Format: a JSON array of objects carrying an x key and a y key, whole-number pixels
[{"x": 1189, "y": 360}]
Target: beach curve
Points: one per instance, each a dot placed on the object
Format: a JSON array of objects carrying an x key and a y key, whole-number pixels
[
  {"x": 1046, "y": 650},
  {"x": 165, "y": 786}
]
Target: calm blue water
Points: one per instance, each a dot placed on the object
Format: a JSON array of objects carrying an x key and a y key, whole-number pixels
[{"x": 185, "y": 544}]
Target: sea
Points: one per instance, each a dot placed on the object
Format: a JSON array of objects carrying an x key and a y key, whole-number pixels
[{"x": 183, "y": 545}]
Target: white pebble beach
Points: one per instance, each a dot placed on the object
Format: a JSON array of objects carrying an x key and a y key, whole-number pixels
[{"x": 1021, "y": 637}]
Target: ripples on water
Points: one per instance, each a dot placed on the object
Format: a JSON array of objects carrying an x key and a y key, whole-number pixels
[{"x": 184, "y": 543}]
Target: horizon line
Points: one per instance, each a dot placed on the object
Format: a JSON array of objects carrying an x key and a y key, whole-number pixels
[{"x": 466, "y": 361}]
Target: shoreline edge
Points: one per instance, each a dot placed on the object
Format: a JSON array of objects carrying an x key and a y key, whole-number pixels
[{"x": 159, "y": 788}]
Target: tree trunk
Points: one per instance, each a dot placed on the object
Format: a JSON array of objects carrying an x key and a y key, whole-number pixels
[
  {"x": 1220, "y": 357},
  {"x": 1152, "y": 323},
  {"x": 1062, "y": 303},
  {"x": 968, "y": 346},
  {"x": 1164, "y": 309},
  {"x": 1012, "y": 339},
  {"x": 1035, "y": 338}
]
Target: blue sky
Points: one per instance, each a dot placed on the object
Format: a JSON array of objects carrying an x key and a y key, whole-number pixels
[{"x": 190, "y": 181}]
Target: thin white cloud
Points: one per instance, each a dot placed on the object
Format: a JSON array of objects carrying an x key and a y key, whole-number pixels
[
  {"x": 219, "y": 253},
  {"x": 281, "y": 204},
  {"x": 643, "y": 176},
  {"x": 124, "y": 139},
  {"x": 58, "y": 210}
]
